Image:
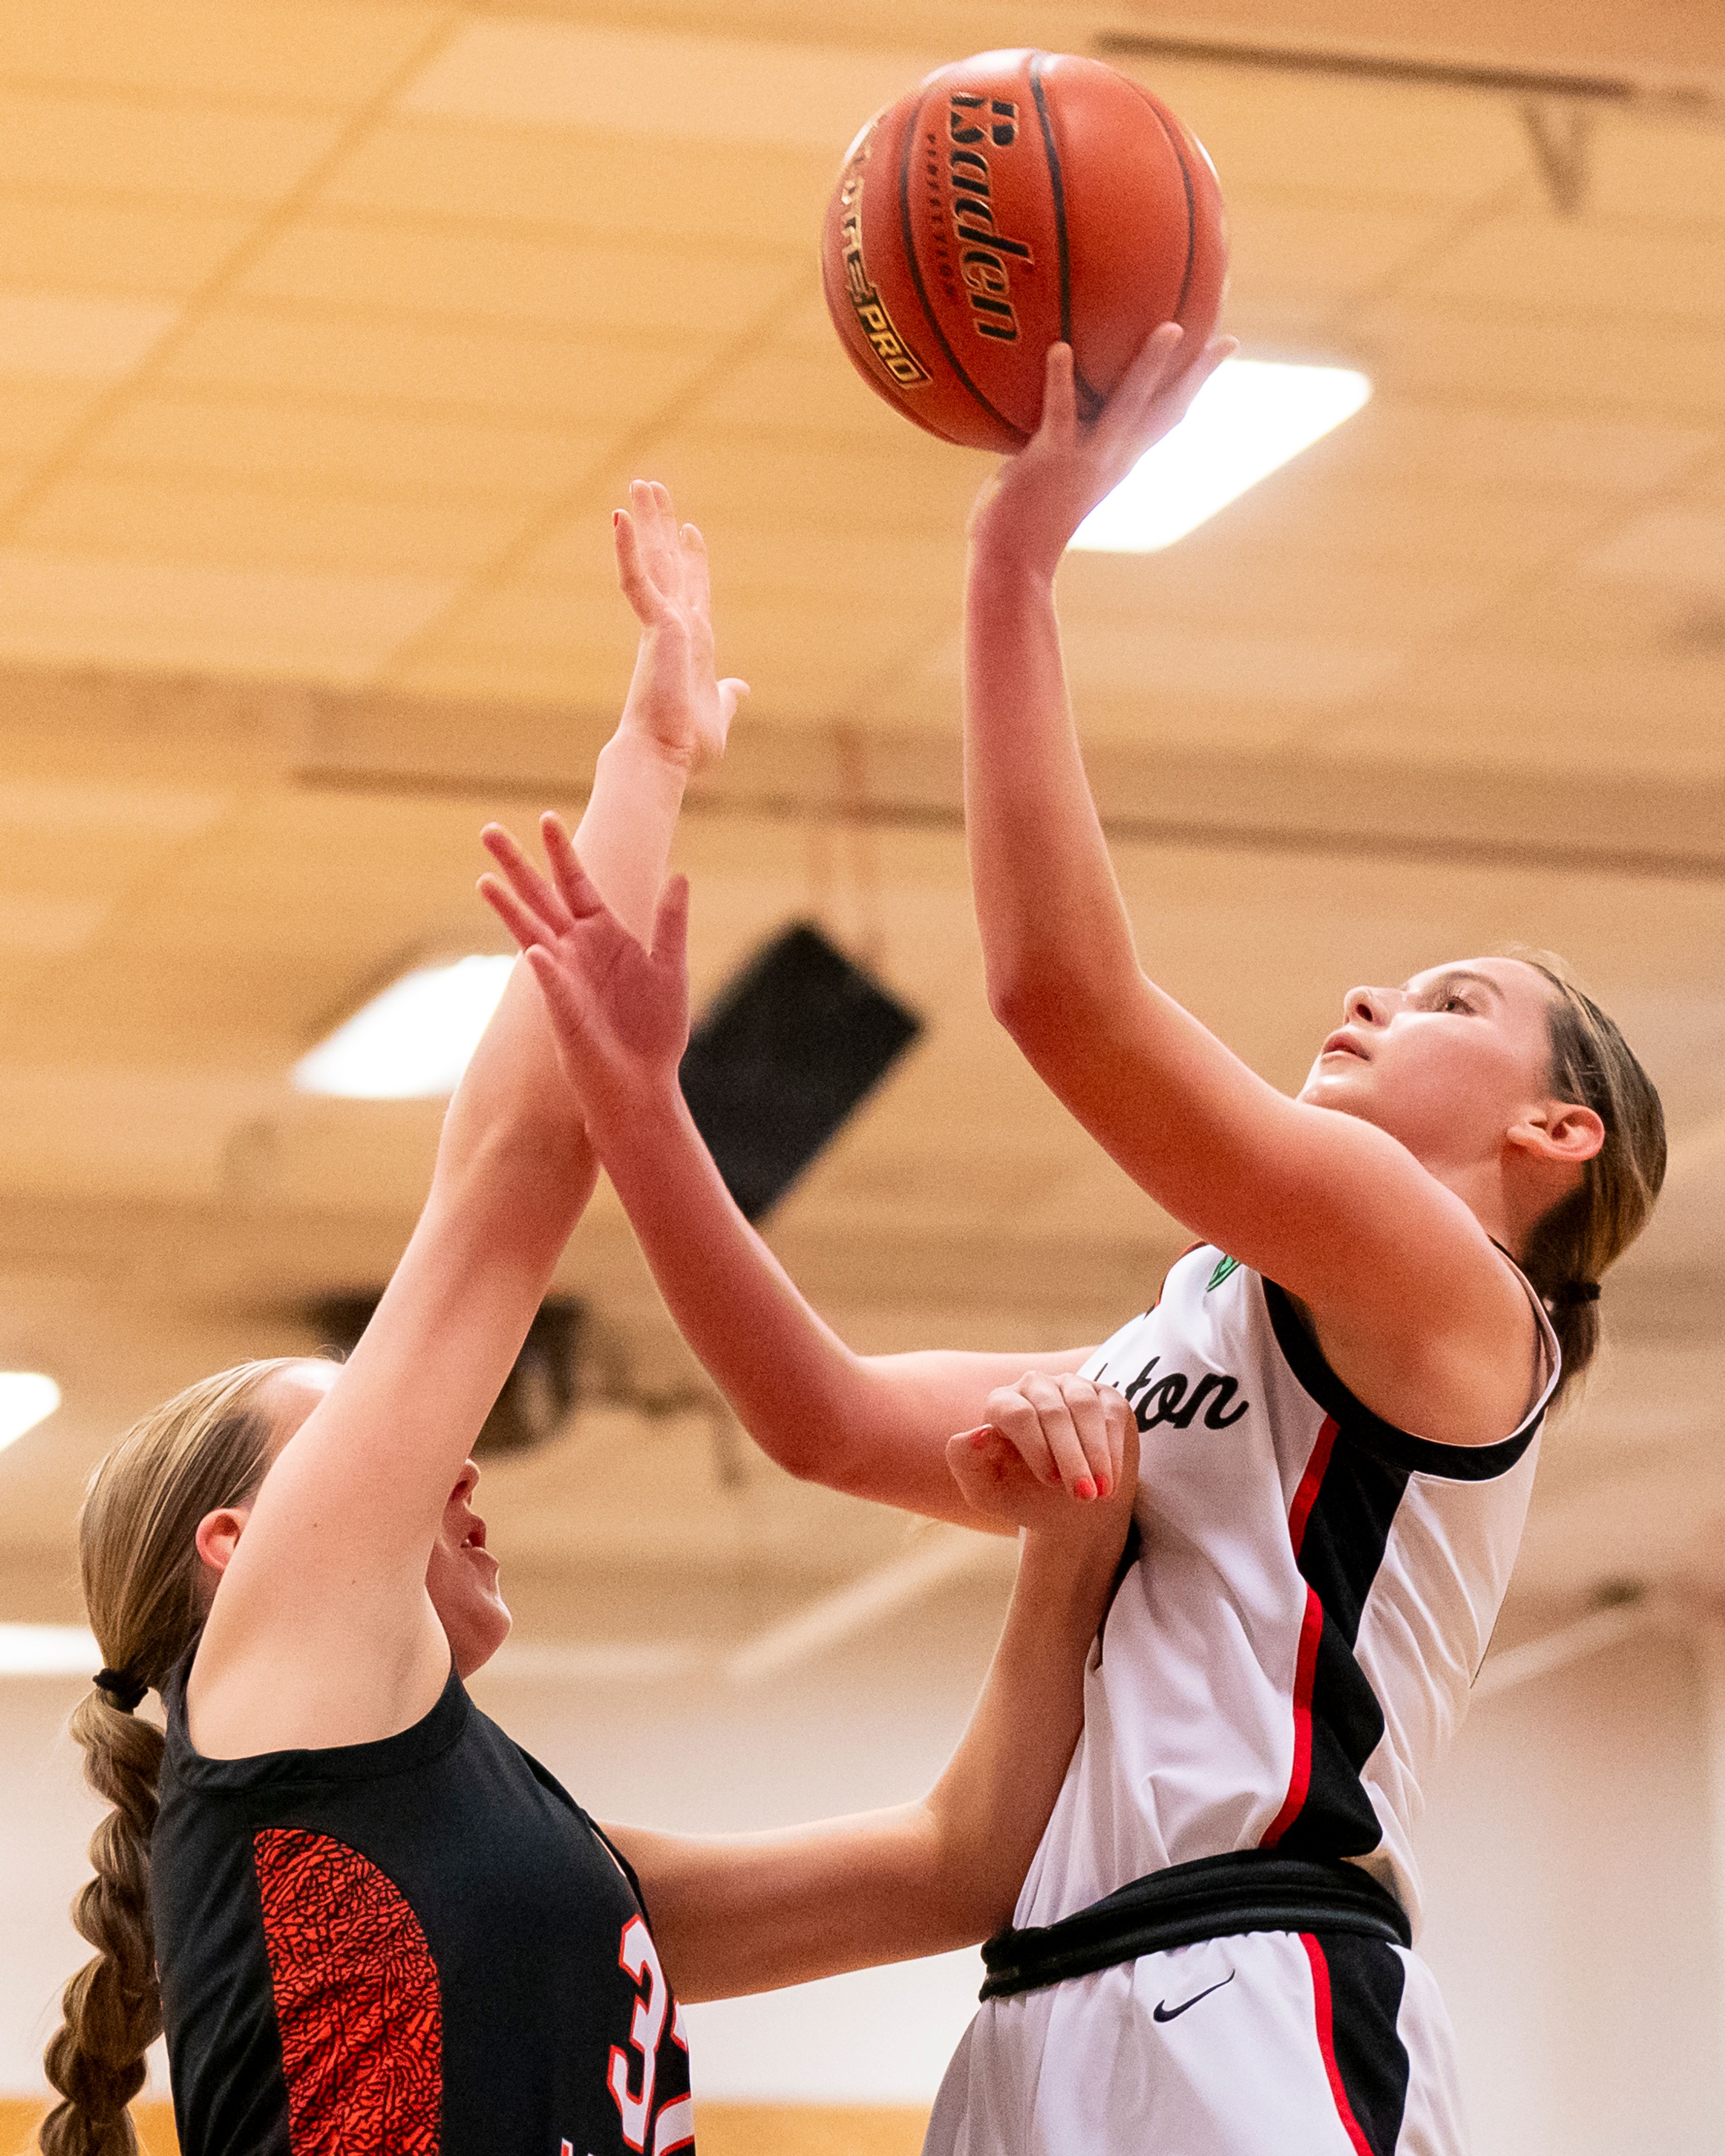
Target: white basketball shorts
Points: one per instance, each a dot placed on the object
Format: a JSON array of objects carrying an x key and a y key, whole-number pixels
[{"x": 1263, "y": 2044}]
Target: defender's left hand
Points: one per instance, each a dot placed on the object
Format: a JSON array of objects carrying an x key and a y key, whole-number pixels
[{"x": 674, "y": 699}]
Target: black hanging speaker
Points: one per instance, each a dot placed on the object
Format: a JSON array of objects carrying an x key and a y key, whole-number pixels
[
  {"x": 539, "y": 1391},
  {"x": 782, "y": 1057}
]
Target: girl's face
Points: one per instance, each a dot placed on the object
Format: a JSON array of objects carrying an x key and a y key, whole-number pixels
[
  {"x": 461, "y": 1578},
  {"x": 1450, "y": 1063}
]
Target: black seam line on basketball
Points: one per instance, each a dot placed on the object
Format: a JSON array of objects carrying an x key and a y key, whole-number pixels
[
  {"x": 1164, "y": 2012},
  {"x": 1173, "y": 144},
  {"x": 912, "y": 135},
  {"x": 1057, "y": 189}
]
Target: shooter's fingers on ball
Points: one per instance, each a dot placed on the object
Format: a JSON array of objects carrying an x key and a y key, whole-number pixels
[
  {"x": 1060, "y": 399},
  {"x": 1146, "y": 378}
]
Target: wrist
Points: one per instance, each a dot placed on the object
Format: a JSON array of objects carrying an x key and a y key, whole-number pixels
[
  {"x": 636, "y": 1120},
  {"x": 1010, "y": 534},
  {"x": 1067, "y": 1567},
  {"x": 636, "y": 753}
]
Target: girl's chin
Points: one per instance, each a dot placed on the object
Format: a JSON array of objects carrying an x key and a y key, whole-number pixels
[
  {"x": 481, "y": 1637},
  {"x": 1331, "y": 1089}
]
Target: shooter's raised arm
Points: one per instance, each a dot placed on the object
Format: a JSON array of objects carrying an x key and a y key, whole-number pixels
[{"x": 1406, "y": 1292}]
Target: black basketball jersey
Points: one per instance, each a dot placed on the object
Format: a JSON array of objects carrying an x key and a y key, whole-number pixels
[{"x": 420, "y": 1947}]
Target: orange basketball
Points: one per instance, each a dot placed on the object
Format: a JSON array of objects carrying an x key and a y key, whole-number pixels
[{"x": 1009, "y": 201}]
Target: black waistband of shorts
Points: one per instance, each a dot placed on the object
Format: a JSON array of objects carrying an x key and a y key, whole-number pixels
[{"x": 1212, "y": 1898}]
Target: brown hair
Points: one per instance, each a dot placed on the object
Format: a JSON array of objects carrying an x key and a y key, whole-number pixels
[
  {"x": 146, "y": 1593},
  {"x": 1569, "y": 1246}
]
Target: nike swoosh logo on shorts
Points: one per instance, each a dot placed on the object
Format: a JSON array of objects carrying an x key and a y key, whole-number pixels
[{"x": 1164, "y": 2012}]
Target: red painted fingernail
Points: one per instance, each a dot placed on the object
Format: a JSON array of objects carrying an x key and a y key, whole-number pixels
[
  {"x": 1084, "y": 1488},
  {"x": 1053, "y": 1475},
  {"x": 978, "y": 1437},
  {"x": 1105, "y": 1488}
]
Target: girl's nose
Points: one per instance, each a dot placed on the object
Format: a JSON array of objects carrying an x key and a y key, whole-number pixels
[{"x": 1364, "y": 1007}]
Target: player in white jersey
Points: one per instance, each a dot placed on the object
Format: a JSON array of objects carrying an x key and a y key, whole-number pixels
[{"x": 1339, "y": 1394}]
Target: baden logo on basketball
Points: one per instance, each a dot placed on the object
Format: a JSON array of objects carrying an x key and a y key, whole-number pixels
[{"x": 985, "y": 253}]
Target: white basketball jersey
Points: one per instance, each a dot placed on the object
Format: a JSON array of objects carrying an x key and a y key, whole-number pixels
[{"x": 1314, "y": 1593}]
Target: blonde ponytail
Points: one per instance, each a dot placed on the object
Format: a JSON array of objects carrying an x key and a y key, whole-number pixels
[{"x": 1571, "y": 1245}]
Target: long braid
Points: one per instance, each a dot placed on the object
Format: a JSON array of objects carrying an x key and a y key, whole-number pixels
[
  {"x": 112, "y": 2009},
  {"x": 146, "y": 1594}
]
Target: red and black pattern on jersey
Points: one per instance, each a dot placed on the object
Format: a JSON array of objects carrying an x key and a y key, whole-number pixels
[
  {"x": 355, "y": 1999},
  {"x": 1339, "y": 1525},
  {"x": 1356, "y": 1986},
  {"x": 406, "y": 1948}
]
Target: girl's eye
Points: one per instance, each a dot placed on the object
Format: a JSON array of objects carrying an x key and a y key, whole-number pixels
[{"x": 1456, "y": 1003}]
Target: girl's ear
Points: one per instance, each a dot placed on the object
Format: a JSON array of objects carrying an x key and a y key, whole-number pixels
[
  {"x": 1560, "y": 1131},
  {"x": 218, "y": 1534}
]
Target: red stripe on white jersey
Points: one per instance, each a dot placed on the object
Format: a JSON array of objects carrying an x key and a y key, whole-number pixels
[
  {"x": 1305, "y": 1677},
  {"x": 1310, "y": 1482},
  {"x": 1311, "y": 1625},
  {"x": 1323, "y": 2014}
]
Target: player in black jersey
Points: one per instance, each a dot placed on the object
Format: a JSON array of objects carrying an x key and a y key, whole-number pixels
[{"x": 368, "y": 1920}]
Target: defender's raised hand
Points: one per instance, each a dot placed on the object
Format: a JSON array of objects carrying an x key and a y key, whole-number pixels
[
  {"x": 620, "y": 1012},
  {"x": 674, "y": 699}
]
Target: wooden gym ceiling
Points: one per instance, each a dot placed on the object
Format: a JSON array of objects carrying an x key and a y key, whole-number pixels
[{"x": 328, "y": 335}]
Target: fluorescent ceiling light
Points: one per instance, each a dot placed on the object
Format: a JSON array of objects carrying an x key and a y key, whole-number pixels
[
  {"x": 1251, "y": 416},
  {"x": 47, "y": 1651},
  {"x": 26, "y": 1399},
  {"x": 413, "y": 1040}
]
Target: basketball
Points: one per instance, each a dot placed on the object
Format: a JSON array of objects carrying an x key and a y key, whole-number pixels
[{"x": 1010, "y": 201}]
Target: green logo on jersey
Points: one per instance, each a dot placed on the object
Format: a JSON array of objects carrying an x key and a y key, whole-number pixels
[{"x": 1223, "y": 1267}]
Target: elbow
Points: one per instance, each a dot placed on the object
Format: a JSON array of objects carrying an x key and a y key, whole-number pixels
[
  {"x": 1022, "y": 996},
  {"x": 1041, "y": 1006}
]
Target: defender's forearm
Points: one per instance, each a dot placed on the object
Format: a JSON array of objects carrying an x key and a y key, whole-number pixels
[{"x": 752, "y": 1912}]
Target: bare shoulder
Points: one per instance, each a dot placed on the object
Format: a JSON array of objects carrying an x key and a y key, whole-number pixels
[
  {"x": 290, "y": 1688},
  {"x": 1466, "y": 1370}
]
